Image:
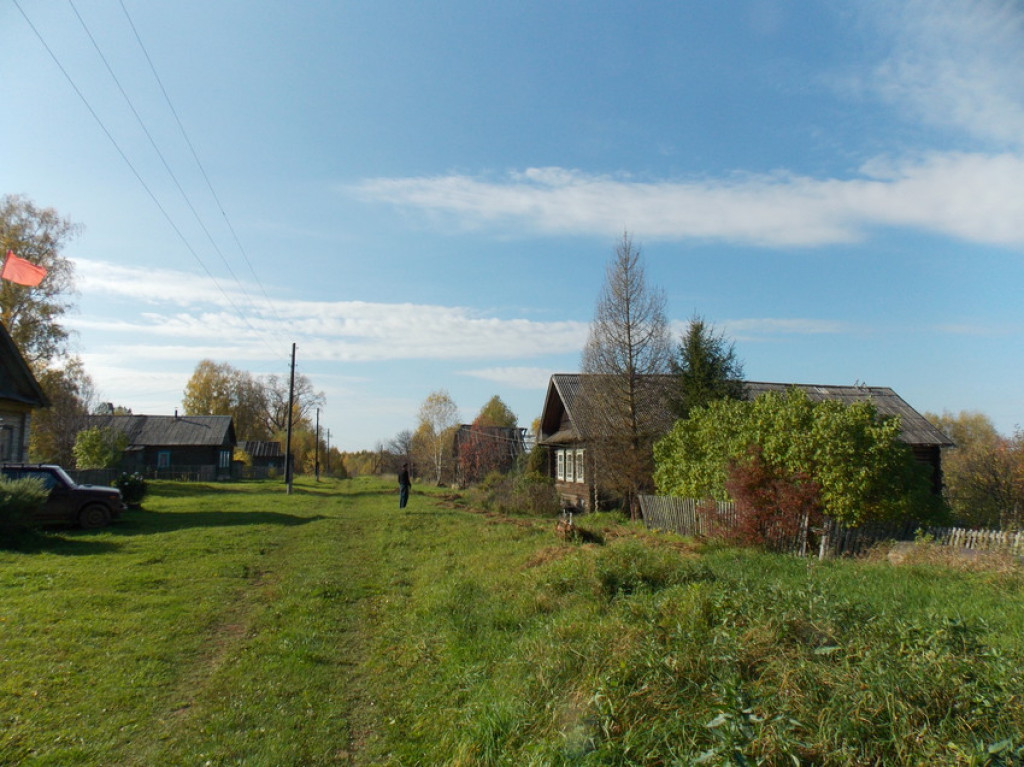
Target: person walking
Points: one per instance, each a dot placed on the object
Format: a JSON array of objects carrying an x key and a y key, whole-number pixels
[{"x": 404, "y": 483}]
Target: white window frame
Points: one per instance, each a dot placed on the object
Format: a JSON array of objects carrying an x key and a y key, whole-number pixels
[
  {"x": 560, "y": 461},
  {"x": 580, "y": 474}
]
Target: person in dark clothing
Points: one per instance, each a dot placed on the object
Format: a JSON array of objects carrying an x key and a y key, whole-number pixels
[{"x": 404, "y": 483}]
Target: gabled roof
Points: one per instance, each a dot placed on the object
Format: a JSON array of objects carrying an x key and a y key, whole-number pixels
[
  {"x": 170, "y": 430},
  {"x": 565, "y": 391},
  {"x": 560, "y": 422},
  {"x": 17, "y": 383}
]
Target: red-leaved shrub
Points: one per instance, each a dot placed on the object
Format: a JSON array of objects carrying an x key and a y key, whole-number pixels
[{"x": 774, "y": 509}]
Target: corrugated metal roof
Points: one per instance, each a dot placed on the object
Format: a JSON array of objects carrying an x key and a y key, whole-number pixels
[
  {"x": 169, "y": 430},
  {"x": 568, "y": 388},
  {"x": 915, "y": 428}
]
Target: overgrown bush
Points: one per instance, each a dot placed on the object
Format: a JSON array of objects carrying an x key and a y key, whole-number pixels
[
  {"x": 775, "y": 509},
  {"x": 133, "y": 488},
  {"x": 19, "y": 500},
  {"x": 520, "y": 493}
]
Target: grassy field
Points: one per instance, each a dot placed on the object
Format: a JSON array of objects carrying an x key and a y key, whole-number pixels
[{"x": 237, "y": 625}]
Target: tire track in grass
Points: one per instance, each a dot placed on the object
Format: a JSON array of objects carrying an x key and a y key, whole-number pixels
[{"x": 280, "y": 680}]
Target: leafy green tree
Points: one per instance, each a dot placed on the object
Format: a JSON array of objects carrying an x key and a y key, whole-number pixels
[
  {"x": 54, "y": 429},
  {"x": 856, "y": 458},
  {"x": 99, "y": 448},
  {"x": 628, "y": 345},
  {"x": 706, "y": 369},
  {"x": 32, "y": 314}
]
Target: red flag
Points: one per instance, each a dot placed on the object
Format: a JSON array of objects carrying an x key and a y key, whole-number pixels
[{"x": 21, "y": 271}]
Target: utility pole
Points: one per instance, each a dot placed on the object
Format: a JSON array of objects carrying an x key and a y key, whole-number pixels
[
  {"x": 316, "y": 447},
  {"x": 289, "y": 460},
  {"x": 328, "y": 452}
]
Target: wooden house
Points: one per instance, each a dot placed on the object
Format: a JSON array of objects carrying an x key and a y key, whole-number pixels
[
  {"x": 166, "y": 445},
  {"x": 20, "y": 394},
  {"x": 561, "y": 433}
]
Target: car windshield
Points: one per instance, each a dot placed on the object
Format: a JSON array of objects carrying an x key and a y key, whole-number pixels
[{"x": 64, "y": 476}]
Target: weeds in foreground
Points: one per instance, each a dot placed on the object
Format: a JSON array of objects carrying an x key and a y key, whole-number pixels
[{"x": 628, "y": 654}]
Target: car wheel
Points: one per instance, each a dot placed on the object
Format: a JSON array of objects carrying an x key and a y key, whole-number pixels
[{"x": 92, "y": 516}]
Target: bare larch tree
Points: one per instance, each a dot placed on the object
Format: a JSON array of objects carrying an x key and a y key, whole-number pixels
[{"x": 625, "y": 362}]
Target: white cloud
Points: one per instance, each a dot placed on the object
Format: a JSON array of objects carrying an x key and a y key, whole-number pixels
[
  {"x": 970, "y": 196},
  {"x": 341, "y": 330},
  {"x": 954, "y": 64},
  {"x": 944, "y": 63},
  {"x": 148, "y": 285},
  {"x": 515, "y": 377}
]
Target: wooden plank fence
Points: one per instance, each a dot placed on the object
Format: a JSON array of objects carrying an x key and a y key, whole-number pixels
[
  {"x": 709, "y": 519},
  {"x": 687, "y": 516}
]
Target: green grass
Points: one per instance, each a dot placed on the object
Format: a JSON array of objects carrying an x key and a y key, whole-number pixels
[{"x": 237, "y": 625}]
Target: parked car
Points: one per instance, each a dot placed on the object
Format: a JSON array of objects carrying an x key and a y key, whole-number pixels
[{"x": 88, "y": 506}]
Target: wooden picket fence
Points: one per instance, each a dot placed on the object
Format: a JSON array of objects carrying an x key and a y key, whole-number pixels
[{"x": 710, "y": 519}]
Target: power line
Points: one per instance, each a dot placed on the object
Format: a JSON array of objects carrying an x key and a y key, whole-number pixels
[
  {"x": 124, "y": 157},
  {"x": 199, "y": 164},
  {"x": 167, "y": 166}
]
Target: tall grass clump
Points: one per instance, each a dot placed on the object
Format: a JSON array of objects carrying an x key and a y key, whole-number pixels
[
  {"x": 520, "y": 492},
  {"x": 640, "y": 653}
]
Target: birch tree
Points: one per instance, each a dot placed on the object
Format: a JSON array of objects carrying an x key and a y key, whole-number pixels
[{"x": 438, "y": 419}]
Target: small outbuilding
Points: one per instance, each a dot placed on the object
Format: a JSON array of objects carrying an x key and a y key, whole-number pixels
[{"x": 264, "y": 453}]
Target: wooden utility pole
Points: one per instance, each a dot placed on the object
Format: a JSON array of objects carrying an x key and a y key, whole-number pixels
[
  {"x": 316, "y": 447},
  {"x": 289, "y": 460}
]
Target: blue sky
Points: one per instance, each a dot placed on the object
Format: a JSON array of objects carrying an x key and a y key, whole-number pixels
[{"x": 425, "y": 195}]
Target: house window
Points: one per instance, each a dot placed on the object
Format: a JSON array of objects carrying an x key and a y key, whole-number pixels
[
  {"x": 7, "y": 443},
  {"x": 569, "y": 473},
  {"x": 163, "y": 459},
  {"x": 579, "y": 466},
  {"x": 225, "y": 459},
  {"x": 560, "y": 459}
]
